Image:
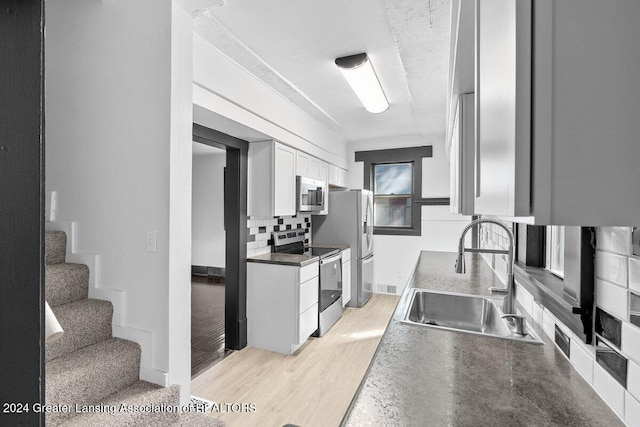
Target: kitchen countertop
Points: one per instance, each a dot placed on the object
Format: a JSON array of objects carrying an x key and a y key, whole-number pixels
[
  {"x": 423, "y": 376},
  {"x": 284, "y": 259}
]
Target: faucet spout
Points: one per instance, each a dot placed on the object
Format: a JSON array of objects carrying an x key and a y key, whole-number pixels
[{"x": 509, "y": 291}]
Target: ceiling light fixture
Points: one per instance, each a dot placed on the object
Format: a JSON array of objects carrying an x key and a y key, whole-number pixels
[{"x": 359, "y": 73}]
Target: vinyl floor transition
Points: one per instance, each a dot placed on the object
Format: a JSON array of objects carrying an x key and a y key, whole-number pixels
[
  {"x": 313, "y": 387},
  {"x": 207, "y": 323}
]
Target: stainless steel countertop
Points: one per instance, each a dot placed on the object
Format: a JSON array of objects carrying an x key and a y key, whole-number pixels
[
  {"x": 424, "y": 376},
  {"x": 284, "y": 259}
]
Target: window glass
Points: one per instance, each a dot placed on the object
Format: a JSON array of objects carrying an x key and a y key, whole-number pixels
[
  {"x": 555, "y": 250},
  {"x": 393, "y": 188}
]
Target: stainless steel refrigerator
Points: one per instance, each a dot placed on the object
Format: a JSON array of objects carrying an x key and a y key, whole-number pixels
[{"x": 350, "y": 221}]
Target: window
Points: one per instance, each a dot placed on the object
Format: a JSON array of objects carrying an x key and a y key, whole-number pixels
[
  {"x": 392, "y": 195},
  {"x": 395, "y": 177},
  {"x": 555, "y": 250}
]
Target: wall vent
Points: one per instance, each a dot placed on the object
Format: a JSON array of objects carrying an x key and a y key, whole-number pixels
[{"x": 387, "y": 289}]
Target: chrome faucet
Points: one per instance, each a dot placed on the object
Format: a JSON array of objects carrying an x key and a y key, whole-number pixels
[{"x": 509, "y": 291}]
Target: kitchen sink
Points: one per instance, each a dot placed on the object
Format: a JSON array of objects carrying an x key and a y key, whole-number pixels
[{"x": 463, "y": 313}]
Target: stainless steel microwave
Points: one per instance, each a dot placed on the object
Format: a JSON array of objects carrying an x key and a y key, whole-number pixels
[{"x": 311, "y": 194}]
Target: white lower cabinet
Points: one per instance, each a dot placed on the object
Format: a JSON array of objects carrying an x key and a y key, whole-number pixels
[
  {"x": 282, "y": 305},
  {"x": 346, "y": 276}
]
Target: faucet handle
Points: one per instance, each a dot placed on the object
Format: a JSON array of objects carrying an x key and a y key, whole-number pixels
[
  {"x": 520, "y": 322},
  {"x": 498, "y": 291}
]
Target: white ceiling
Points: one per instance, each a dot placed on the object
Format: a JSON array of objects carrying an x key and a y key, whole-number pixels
[{"x": 291, "y": 46}]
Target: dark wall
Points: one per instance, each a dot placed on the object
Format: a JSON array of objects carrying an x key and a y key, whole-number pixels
[{"x": 21, "y": 210}]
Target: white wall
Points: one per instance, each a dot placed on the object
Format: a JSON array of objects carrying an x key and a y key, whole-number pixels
[
  {"x": 395, "y": 256},
  {"x": 208, "y": 238},
  {"x": 222, "y": 86},
  {"x": 118, "y": 107}
]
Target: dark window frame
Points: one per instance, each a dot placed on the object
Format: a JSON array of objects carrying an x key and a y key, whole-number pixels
[{"x": 412, "y": 155}]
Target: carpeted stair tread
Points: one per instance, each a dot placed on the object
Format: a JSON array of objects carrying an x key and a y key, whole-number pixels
[
  {"x": 90, "y": 374},
  {"x": 66, "y": 283},
  {"x": 55, "y": 247},
  {"x": 85, "y": 322},
  {"x": 139, "y": 394},
  {"x": 197, "y": 419}
]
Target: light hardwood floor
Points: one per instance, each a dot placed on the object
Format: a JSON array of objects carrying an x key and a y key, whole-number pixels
[{"x": 313, "y": 387}]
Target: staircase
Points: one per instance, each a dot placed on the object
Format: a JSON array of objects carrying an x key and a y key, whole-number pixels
[{"x": 87, "y": 367}]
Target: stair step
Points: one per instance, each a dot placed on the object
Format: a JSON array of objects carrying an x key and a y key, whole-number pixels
[
  {"x": 90, "y": 374},
  {"x": 85, "y": 322},
  {"x": 196, "y": 419},
  {"x": 66, "y": 283},
  {"x": 140, "y": 394},
  {"x": 55, "y": 247}
]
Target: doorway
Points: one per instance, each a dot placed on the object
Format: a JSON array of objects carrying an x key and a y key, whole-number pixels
[
  {"x": 219, "y": 246},
  {"x": 207, "y": 257}
]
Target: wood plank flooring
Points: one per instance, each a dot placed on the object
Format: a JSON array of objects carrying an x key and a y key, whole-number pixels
[
  {"x": 313, "y": 387},
  {"x": 207, "y": 323}
]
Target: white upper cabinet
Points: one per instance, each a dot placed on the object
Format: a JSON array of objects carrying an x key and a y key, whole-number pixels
[
  {"x": 302, "y": 163},
  {"x": 503, "y": 100},
  {"x": 311, "y": 167},
  {"x": 272, "y": 179},
  {"x": 337, "y": 177},
  {"x": 557, "y": 101},
  {"x": 461, "y": 157}
]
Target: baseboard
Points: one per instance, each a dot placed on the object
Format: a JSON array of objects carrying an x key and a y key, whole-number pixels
[
  {"x": 201, "y": 270},
  {"x": 145, "y": 339},
  {"x": 154, "y": 376}
]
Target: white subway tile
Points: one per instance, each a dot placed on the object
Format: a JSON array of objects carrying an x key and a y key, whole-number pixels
[
  {"x": 633, "y": 379},
  {"x": 634, "y": 274},
  {"x": 612, "y": 267},
  {"x": 581, "y": 359},
  {"x": 615, "y": 239},
  {"x": 524, "y": 298},
  {"x": 609, "y": 389},
  {"x": 631, "y": 410},
  {"x": 631, "y": 341},
  {"x": 549, "y": 324},
  {"x": 261, "y": 251},
  {"x": 612, "y": 299},
  {"x": 537, "y": 313}
]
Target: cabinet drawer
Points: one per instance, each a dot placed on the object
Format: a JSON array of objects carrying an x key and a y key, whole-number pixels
[
  {"x": 308, "y": 272},
  {"x": 307, "y": 323},
  {"x": 308, "y": 294}
]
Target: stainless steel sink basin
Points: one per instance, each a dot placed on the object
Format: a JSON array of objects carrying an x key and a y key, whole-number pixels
[{"x": 464, "y": 313}]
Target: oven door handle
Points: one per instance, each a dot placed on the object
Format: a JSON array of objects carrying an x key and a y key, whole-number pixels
[{"x": 330, "y": 259}]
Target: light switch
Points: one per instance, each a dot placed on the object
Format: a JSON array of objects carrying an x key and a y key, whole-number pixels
[{"x": 152, "y": 241}]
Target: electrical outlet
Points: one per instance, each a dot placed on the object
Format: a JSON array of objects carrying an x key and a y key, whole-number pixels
[{"x": 152, "y": 241}]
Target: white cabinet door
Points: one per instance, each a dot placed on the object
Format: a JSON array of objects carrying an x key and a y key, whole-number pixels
[
  {"x": 337, "y": 176},
  {"x": 302, "y": 163},
  {"x": 346, "y": 282},
  {"x": 461, "y": 156},
  {"x": 503, "y": 105},
  {"x": 282, "y": 310},
  {"x": 271, "y": 179},
  {"x": 284, "y": 180}
]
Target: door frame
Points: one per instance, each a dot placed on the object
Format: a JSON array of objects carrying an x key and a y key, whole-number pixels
[
  {"x": 235, "y": 219},
  {"x": 22, "y": 286}
]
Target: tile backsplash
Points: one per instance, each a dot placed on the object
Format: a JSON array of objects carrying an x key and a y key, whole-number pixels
[
  {"x": 617, "y": 295},
  {"x": 259, "y": 231}
]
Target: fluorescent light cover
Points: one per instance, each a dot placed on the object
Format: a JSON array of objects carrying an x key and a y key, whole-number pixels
[{"x": 364, "y": 82}]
